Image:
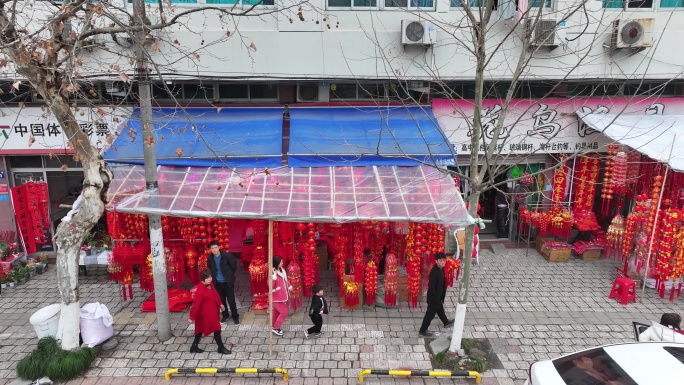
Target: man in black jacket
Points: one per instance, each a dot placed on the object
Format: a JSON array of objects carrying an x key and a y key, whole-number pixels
[
  {"x": 435, "y": 296},
  {"x": 223, "y": 265}
]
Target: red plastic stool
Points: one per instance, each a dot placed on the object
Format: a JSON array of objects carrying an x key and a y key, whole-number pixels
[{"x": 624, "y": 289}]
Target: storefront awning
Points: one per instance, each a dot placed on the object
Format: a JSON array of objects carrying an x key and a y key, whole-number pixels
[
  {"x": 220, "y": 137},
  {"x": 661, "y": 137},
  {"x": 367, "y": 136},
  {"x": 320, "y": 194}
]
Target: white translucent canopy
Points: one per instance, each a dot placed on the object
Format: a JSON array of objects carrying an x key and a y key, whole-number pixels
[{"x": 318, "y": 194}]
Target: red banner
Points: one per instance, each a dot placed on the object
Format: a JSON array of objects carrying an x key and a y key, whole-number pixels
[
  {"x": 559, "y": 182},
  {"x": 23, "y": 217},
  {"x": 586, "y": 176}
]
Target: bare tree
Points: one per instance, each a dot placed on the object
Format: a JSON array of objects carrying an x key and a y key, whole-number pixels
[
  {"x": 515, "y": 48},
  {"x": 51, "y": 46}
]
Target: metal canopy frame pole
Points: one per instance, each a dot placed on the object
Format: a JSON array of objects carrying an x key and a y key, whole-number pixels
[
  {"x": 382, "y": 191},
  {"x": 427, "y": 187},
  {"x": 180, "y": 188},
  {"x": 356, "y": 205},
  {"x": 199, "y": 190},
  {"x": 401, "y": 192},
  {"x": 225, "y": 190}
]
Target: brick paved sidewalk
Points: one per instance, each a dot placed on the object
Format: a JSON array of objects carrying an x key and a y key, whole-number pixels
[{"x": 529, "y": 310}]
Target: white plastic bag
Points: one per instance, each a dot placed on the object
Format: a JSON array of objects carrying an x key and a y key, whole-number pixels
[{"x": 96, "y": 324}]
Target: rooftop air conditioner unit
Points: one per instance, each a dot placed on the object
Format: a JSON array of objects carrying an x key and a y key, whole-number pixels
[
  {"x": 634, "y": 33},
  {"x": 544, "y": 33},
  {"x": 418, "y": 33}
]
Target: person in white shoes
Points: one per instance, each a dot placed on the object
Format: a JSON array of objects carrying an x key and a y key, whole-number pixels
[
  {"x": 281, "y": 293},
  {"x": 319, "y": 306}
]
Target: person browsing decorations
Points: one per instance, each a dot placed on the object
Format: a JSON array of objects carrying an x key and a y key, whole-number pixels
[
  {"x": 205, "y": 312},
  {"x": 281, "y": 293},
  {"x": 223, "y": 265}
]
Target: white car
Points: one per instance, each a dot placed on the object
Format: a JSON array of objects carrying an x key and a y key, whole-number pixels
[{"x": 636, "y": 363}]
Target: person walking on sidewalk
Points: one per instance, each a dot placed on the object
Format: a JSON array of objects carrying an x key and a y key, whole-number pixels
[
  {"x": 205, "y": 312},
  {"x": 281, "y": 294},
  {"x": 223, "y": 266},
  {"x": 435, "y": 296},
  {"x": 319, "y": 306}
]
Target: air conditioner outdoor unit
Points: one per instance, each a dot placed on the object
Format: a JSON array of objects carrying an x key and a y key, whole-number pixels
[
  {"x": 633, "y": 33},
  {"x": 544, "y": 33},
  {"x": 418, "y": 33}
]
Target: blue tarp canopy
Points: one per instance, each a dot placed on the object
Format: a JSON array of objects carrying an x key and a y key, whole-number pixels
[
  {"x": 367, "y": 136},
  {"x": 218, "y": 137}
]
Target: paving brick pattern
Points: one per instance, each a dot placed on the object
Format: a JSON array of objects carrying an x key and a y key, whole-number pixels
[{"x": 528, "y": 308}]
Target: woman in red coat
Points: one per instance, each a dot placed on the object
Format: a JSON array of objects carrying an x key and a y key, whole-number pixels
[{"x": 205, "y": 313}]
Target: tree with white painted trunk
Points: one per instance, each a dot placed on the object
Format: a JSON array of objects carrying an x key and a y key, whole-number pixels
[{"x": 51, "y": 46}]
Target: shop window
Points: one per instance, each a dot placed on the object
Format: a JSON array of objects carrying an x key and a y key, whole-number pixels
[
  {"x": 26, "y": 162},
  {"x": 581, "y": 89},
  {"x": 234, "y": 91},
  {"x": 671, "y": 3},
  {"x": 263, "y": 91},
  {"x": 400, "y": 92},
  {"x": 640, "y": 4},
  {"x": 198, "y": 93},
  {"x": 372, "y": 91},
  {"x": 495, "y": 90},
  {"x": 535, "y": 90},
  {"x": 168, "y": 92},
  {"x": 352, "y": 3},
  {"x": 57, "y": 161},
  {"x": 343, "y": 91},
  {"x": 409, "y": 4},
  {"x": 10, "y": 94}
]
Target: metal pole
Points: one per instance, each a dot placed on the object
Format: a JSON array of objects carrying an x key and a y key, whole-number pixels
[
  {"x": 156, "y": 239},
  {"x": 270, "y": 288},
  {"x": 655, "y": 220}
]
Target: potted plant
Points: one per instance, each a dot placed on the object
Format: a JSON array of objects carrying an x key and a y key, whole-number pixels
[
  {"x": 4, "y": 250},
  {"x": 3, "y": 282},
  {"x": 9, "y": 277},
  {"x": 21, "y": 275},
  {"x": 31, "y": 267}
]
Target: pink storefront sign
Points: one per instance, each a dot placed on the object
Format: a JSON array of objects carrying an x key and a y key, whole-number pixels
[{"x": 543, "y": 126}]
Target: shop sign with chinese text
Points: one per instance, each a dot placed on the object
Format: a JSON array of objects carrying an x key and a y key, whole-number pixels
[
  {"x": 543, "y": 126},
  {"x": 33, "y": 130}
]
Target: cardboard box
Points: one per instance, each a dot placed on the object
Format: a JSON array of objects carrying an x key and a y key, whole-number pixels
[
  {"x": 402, "y": 290},
  {"x": 591, "y": 255},
  {"x": 539, "y": 243},
  {"x": 557, "y": 255}
]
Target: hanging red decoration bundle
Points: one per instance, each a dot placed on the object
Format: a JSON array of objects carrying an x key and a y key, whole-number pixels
[
  {"x": 607, "y": 190},
  {"x": 452, "y": 270},
  {"x": 391, "y": 279},
  {"x": 358, "y": 253},
  {"x": 309, "y": 260},
  {"x": 146, "y": 275},
  {"x": 653, "y": 204},
  {"x": 294, "y": 276},
  {"x": 620, "y": 178},
  {"x": 665, "y": 249},
  {"x": 371, "y": 282},
  {"x": 351, "y": 294},
  {"x": 614, "y": 235},
  {"x": 191, "y": 257},
  {"x": 632, "y": 177},
  {"x": 413, "y": 262}
]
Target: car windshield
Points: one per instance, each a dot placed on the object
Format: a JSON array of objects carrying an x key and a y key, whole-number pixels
[
  {"x": 591, "y": 367},
  {"x": 678, "y": 353}
]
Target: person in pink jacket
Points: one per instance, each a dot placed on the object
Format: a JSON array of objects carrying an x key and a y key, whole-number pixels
[{"x": 281, "y": 294}]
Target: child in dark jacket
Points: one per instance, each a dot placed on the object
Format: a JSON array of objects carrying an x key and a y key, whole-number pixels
[{"x": 319, "y": 306}]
